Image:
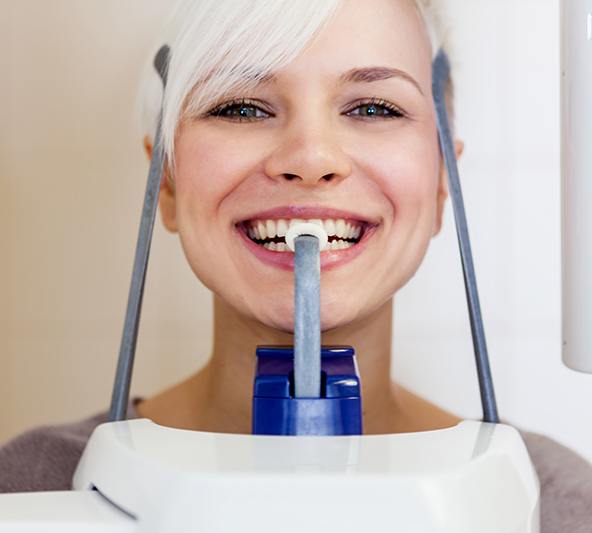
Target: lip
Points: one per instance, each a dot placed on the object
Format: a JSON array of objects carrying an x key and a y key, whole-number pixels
[
  {"x": 308, "y": 212},
  {"x": 330, "y": 259}
]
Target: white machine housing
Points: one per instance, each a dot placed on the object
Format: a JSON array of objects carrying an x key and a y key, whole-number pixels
[{"x": 151, "y": 479}]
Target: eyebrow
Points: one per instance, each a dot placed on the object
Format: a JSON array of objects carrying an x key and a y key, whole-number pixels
[
  {"x": 372, "y": 74},
  {"x": 355, "y": 75}
]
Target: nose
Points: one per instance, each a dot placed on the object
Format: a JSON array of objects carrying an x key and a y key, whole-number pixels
[{"x": 308, "y": 154}]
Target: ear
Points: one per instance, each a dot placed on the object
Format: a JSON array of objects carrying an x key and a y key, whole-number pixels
[
  {"x": 459, "y": 148},
  {"x": 166, "y": 198}
]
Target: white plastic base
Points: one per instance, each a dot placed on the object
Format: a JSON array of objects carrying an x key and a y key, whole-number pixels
[
  {"x": 62, "y": 512},
  {"x": 471, "y": 478}
]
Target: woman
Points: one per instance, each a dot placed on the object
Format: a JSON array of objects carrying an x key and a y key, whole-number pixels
[{"x": 300, "y": 110}]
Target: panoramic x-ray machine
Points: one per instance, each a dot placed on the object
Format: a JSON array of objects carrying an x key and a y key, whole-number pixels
[{"x": 308, "y": 467}]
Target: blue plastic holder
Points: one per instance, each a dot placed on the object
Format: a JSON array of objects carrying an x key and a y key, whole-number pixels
[{"x": 277, "y": 412}]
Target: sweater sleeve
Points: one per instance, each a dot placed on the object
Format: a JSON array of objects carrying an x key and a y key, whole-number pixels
[
  {"x": 566, "y": 486},
  {"x": 44, "y": 459}
]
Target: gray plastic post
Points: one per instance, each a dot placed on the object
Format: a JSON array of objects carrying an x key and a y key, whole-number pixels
[
  {"x": 307, "y": 318},
  {"x": 440, "y": 76},
  {"x": 127, "y": 350}
]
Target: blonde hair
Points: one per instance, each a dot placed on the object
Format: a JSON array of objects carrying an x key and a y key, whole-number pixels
[{"x": 223, "y": 45}]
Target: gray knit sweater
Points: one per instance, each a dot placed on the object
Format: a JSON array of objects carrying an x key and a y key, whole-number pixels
[{"x": 45, "y": 459}]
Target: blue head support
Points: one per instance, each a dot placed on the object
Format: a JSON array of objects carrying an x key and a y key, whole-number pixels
[{"x": 339, "y": 378}]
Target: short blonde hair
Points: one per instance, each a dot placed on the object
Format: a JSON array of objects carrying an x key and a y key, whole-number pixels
[{"x": 223, "y": 45}]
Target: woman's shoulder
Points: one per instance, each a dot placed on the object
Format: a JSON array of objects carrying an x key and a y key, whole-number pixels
[
  {"x": 566, "y": 485},
  {"x": 45, "y": 458}
]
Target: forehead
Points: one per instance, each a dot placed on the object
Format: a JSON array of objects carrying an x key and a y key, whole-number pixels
[{"x": 389, "y": 33}]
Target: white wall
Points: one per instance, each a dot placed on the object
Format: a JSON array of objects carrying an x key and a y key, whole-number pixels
[
  {"x": 506, "y": 57},
  {"x": 72, "y": 179},
  {"x": 71, "y": 183}
]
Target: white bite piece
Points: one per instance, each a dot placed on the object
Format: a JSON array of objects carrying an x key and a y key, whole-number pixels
[{"x": 305, "y": 228}]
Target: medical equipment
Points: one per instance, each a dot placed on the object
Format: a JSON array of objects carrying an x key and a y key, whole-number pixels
[
  {"x": 138, "y": 477},
  {"x": 576, "y": 165},
  {"x": 306, "y": 389}
]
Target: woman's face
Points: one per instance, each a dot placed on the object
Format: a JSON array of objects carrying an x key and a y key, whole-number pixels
[{"x": 346, "y": 135}]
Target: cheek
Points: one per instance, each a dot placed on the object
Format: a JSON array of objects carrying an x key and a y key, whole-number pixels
[
  {"x": 204, "y": 171},
  {"x": 204, "y": 177},
  {"x": 210, "y": 165},
  {"x": 211, "y": 169},
  {"x": 405, "y": 169}
]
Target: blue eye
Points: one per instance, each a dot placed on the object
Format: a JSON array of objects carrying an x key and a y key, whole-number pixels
[
  {"x": 376, "y": 109},
  {"x": 239, "y": 111},
  {"x": 250, "y": 111}
]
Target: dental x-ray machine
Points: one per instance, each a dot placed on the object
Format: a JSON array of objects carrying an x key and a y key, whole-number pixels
[{"x": 308, "y": 467}]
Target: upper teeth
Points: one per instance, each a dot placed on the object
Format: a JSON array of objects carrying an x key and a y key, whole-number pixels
[{"x": 269, "y": 229}]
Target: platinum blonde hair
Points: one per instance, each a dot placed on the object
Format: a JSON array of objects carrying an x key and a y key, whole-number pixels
[{"x": 223, "y": 46}]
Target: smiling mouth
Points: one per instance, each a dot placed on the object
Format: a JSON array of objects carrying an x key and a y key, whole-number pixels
[{"x": 270, "y": 233}]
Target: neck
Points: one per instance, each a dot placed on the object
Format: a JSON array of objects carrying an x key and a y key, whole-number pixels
[
  {"x": 232, "y": 366},
  {"x": 218, "y": 398}
]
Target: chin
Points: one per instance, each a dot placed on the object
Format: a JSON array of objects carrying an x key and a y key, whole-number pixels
[
  {"x": 332, "y": 317},
  {"x": 335, "y": 317},
  {"x": 277, "y": 315}
]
